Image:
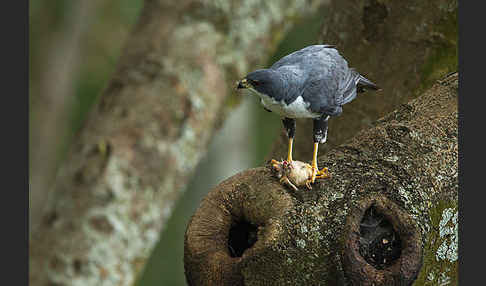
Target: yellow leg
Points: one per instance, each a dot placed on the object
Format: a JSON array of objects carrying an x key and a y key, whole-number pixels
[
  {"x": 315, "y": 170},
  {"x": 289, "y": 153}
]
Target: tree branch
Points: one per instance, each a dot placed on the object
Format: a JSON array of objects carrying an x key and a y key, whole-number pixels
[{"x": 388, "y": 215}]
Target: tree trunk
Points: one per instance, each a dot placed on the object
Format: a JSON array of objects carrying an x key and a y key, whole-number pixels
[
  {"x": 403, "y": 46},
  {"x": 143, "y": 139},
  {"x": 388, "y": 215}
]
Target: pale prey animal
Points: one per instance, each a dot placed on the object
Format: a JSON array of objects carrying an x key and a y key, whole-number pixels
[
  {"x": 314, "y": 82},
  {"x": 293, "y": 173}
]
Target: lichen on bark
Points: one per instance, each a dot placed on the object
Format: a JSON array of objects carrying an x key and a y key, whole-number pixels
[{"x": 405, "y": 166}]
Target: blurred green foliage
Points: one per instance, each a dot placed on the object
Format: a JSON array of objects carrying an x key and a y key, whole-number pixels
[
  {"x": 100, "y": 48},
  {"x": 444, "y": 58}
]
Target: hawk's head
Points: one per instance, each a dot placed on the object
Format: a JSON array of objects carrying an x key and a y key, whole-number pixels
[{"x": 264, "y": 81}]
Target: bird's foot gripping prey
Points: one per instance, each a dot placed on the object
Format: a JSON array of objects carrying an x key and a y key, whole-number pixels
[
  {"x": 296, "y": 173},
  {"x": 314, "y": 82}
]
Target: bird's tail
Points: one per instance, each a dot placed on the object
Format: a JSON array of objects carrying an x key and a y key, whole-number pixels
[
  {"x": 364, "y": 84},
  {"x": 355, "y": 83}
]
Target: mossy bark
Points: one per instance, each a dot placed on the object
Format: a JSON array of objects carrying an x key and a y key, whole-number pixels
[
  {"x": 403, "y": 46},
  {"x": 405, "y": 167},
  {"x": 141, "y": 143}
]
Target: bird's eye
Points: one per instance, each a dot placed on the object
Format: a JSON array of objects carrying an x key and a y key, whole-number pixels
[{"x": 256, "y": 82}]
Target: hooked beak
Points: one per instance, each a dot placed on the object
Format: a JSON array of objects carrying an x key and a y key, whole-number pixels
[{"x": 242, "y": 84}]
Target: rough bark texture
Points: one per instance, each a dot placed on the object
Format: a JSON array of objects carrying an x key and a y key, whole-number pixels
[
  {"x": 144, "y": 137},
  {"x": 404, "y": 168},
  {"x": 403, "y": 46}
]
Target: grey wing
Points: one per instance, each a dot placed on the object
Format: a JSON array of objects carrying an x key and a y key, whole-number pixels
[
  {"x": 346, "y": 77},
  {"x": 297, "y": 56},
  {"x": 347, "y": 86},
  {"x": 320, "y": 92},
  {"x": 294, "y": 78},
  {"x": 326, "y": 80}
]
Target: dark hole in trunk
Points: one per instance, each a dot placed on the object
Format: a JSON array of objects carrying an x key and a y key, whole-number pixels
[
  {"x": 379, "y": 243},
  {"x": 242, "y": 235}
]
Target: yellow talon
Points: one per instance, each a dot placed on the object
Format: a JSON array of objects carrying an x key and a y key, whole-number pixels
[
  {"x": 322, "y": 174},
  {"x": 274, "y": 163},
  {"x": 307, "y": 183},
  {"x": 316, "y": 174}
]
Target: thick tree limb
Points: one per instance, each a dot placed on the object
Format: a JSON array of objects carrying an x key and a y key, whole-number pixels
[
  {"x": 394, "y": 184},
  {"x": 142, "y": 141}
]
